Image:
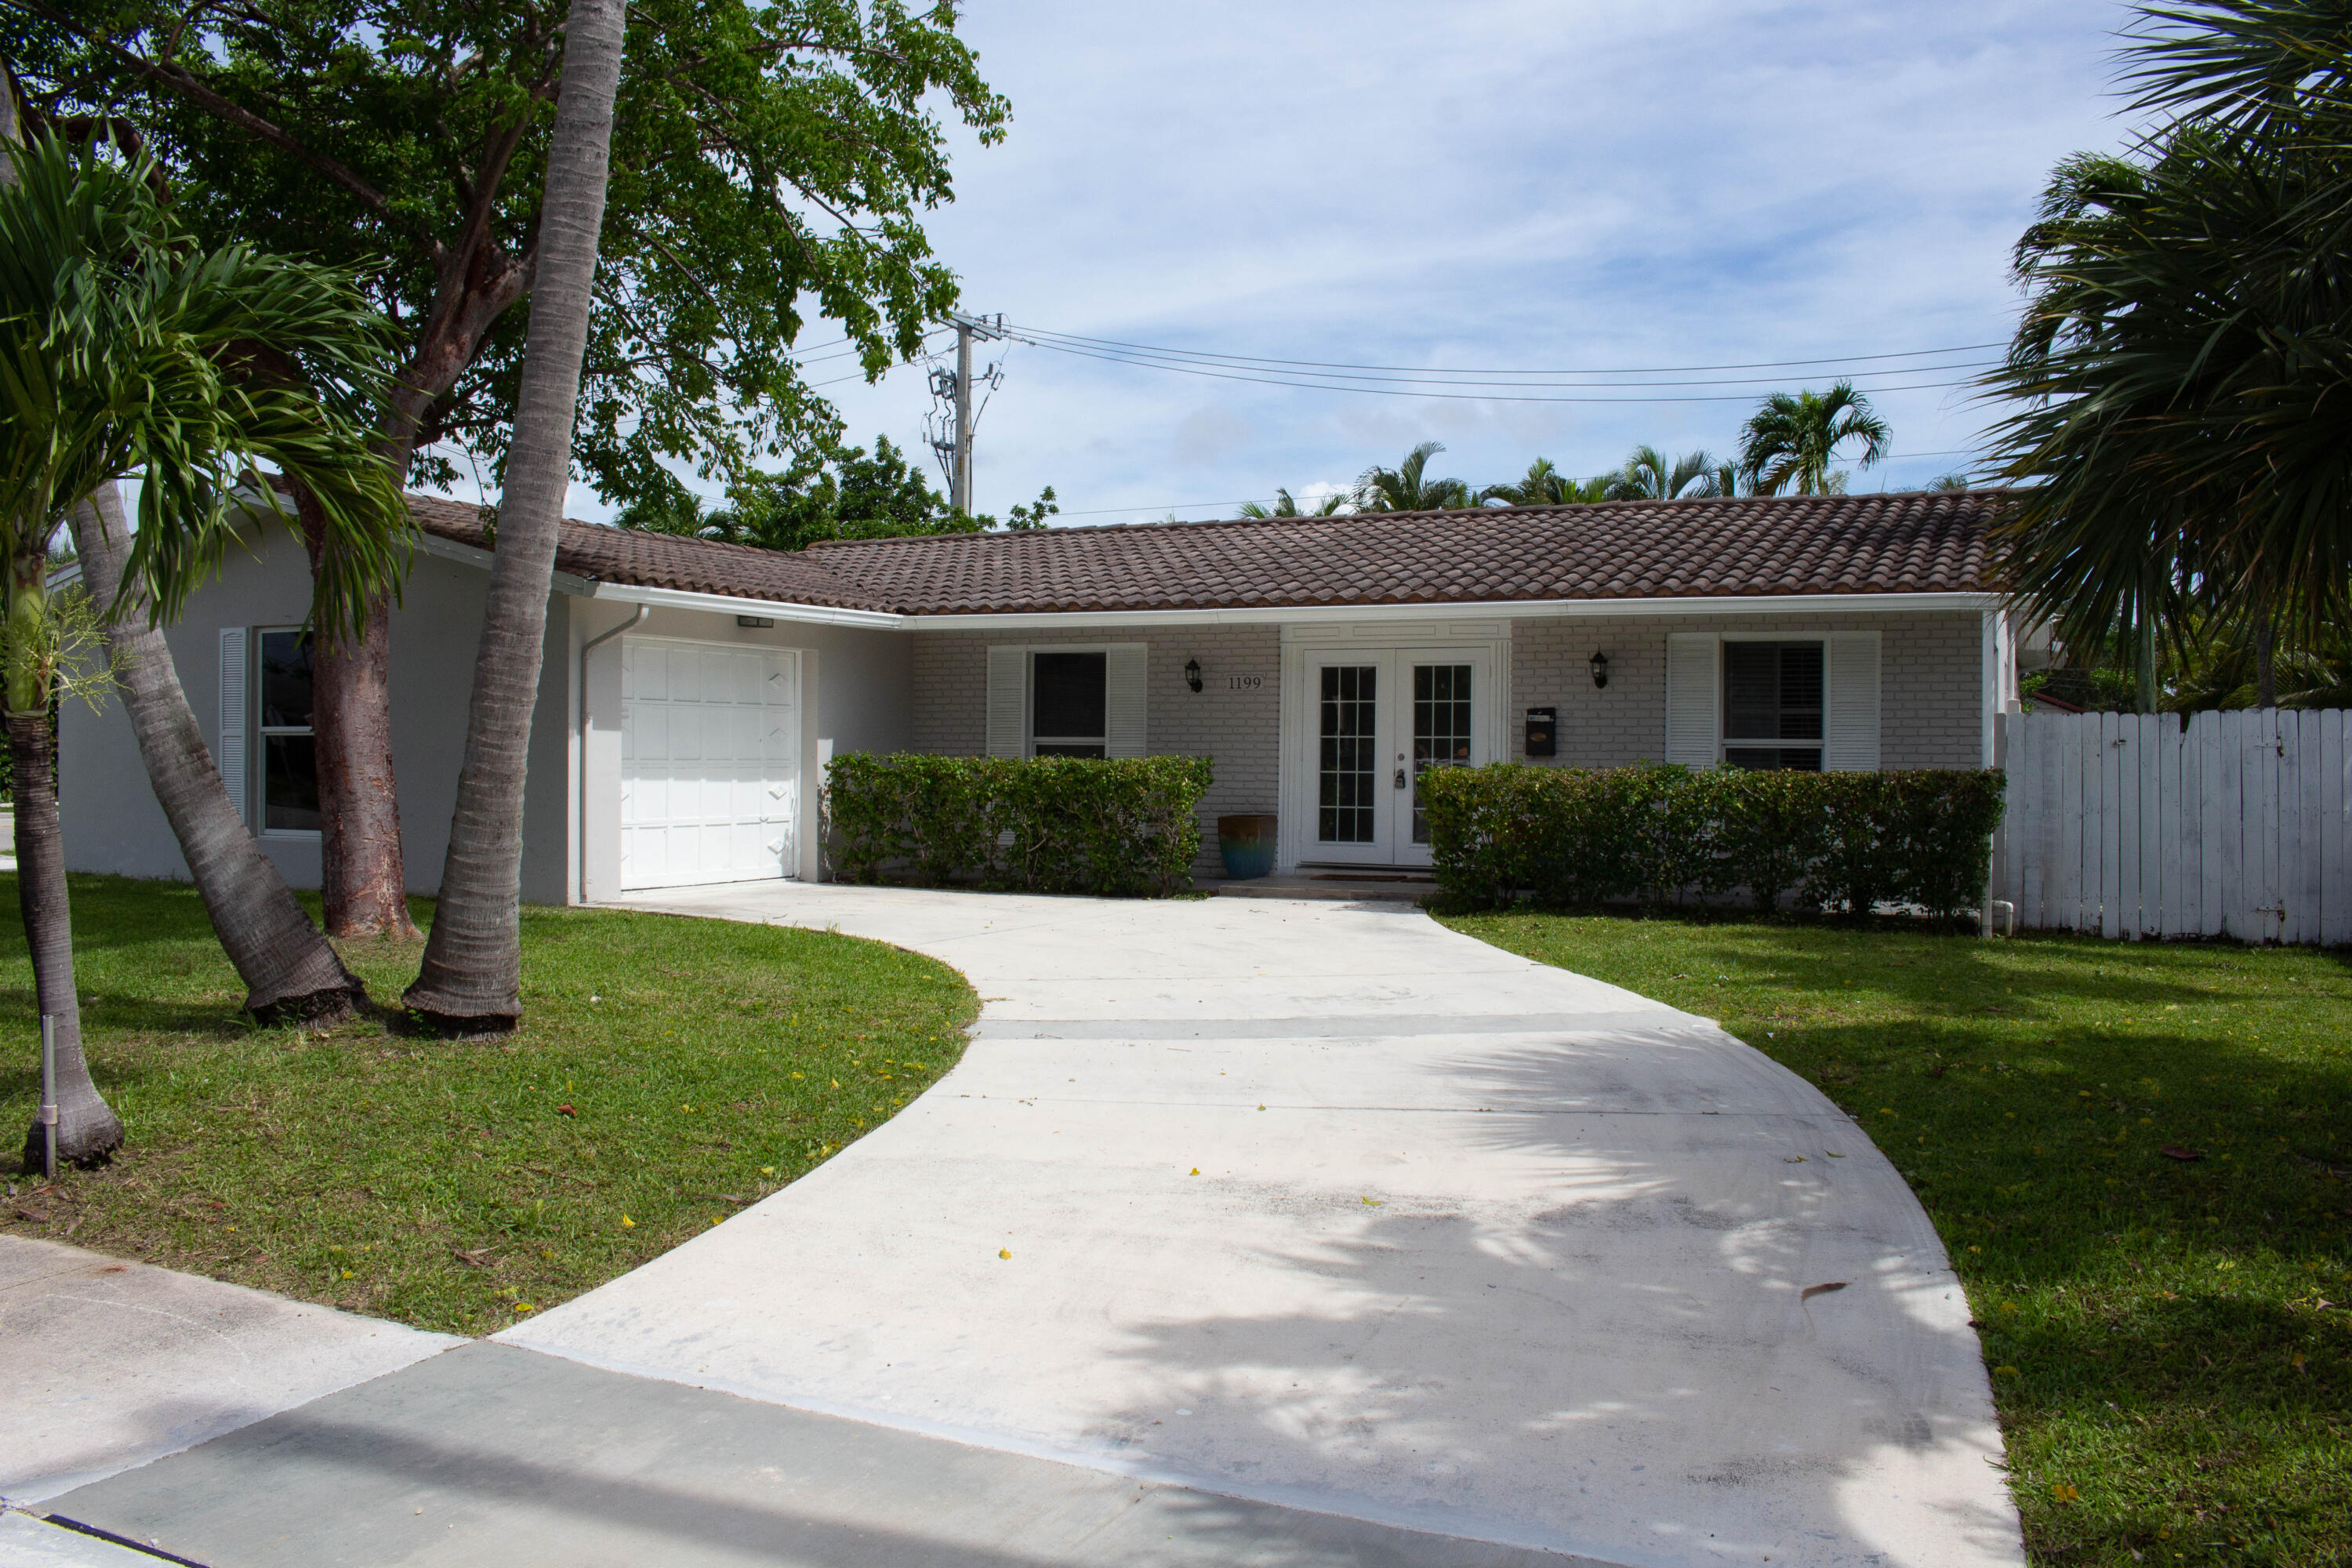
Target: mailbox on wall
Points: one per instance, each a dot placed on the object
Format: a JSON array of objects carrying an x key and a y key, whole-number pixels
[{"x": 1543, "y": 732}]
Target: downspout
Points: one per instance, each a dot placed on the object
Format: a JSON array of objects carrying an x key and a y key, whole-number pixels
[{"x": 632, "y": 623}]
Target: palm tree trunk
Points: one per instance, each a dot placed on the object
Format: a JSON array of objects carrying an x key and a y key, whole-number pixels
[
  {"x": 289, "y": 969},
  {"x": 362, "y": 880},
  {"x": 2266, "y": 662},
  {"x": 88, "y": 1129},
  {"x": 471, "y": 979}
]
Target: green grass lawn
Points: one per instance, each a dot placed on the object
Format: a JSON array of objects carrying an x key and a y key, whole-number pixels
[
  {"x": 2169, "y": 1339},
  {"x": 667, "y": 1072}
]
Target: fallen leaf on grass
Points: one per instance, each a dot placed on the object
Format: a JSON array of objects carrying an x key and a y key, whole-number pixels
[
  {"x": 628, "y": 1224},
  {"x": 565, "y": 1110},
  {"x": 2175, "y": 1151},
  {"x": 1809, "y": 1291},
  {"x": 2061, "y": 1492},
  {"x": 479, "y": 1257}
]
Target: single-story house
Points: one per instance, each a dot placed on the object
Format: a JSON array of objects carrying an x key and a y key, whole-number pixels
[{"x": 693, "y": 691}]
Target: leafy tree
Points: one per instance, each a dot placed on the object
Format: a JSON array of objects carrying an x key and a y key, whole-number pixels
[
  {"x": 771, "y": 162},
  {"x": 839, "y": 492},
  {"x": 123, "y": 347},
  {"x": 1286, "y": 505},
  {"x": 471, "y": 978},
  {"x": 1793, "y": 438},
  {"x": 1648, "y": 476},
  {"x": 1408, "y": 487},
  {"x": 2186, "y": 348}
]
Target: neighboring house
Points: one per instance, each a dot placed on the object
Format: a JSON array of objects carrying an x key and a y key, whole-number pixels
[{"x": 693, "y": 691}]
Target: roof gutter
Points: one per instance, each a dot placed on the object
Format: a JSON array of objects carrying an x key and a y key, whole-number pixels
[
  {"x": 728, "y": 604},
  {"x": 1480, "y": 610}
]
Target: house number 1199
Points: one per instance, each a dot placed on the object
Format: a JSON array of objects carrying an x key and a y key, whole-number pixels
[{"x": 1244, "y": 682}]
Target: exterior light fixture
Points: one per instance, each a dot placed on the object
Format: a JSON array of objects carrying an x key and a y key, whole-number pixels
[
  {"x": 1600, "y": 669},
  {"x": 1193, "y": 673}
]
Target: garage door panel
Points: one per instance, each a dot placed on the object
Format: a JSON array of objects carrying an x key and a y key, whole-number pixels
[{"x": 710, "y": 785}]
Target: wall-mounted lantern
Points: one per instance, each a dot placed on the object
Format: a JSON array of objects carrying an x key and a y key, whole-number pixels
[
  {"x": 1600, "y": 669},
  {"x": 1193, "y": 673}
]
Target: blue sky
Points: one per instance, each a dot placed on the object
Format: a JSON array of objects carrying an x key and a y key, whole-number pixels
[{"x": 1487, "y": 183}]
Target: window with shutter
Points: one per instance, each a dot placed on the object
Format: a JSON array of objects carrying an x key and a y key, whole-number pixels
[{"x": 1008, "y": 701}]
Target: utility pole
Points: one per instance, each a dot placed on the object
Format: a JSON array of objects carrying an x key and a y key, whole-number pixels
[{"x": 955, "y": 450}]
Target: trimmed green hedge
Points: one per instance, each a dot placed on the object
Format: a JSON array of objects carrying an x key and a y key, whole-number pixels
[
  {"x": 1124, "y": 827},
  {"x": 1664, "y": 834}
]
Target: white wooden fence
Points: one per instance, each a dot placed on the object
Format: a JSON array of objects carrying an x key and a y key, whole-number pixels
[{"x": 2128, "y": 826}]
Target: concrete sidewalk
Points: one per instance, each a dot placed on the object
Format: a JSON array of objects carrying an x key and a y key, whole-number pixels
[
  {"x": 1283, "y": 1232},
  {"x": 109, "y": 1364}
]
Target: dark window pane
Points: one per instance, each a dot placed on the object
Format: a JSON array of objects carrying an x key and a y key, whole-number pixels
[
  {"x": 1068, "y": 749},
  {"x": 1069, "y": 690},
  {"x": 285, "y": 680},
  {"x": 1772, "y": 691},
  {"x": 289, "y": 783},
  {"x": 1801, "y": 691},
  {"x": 1767, "y": 759}
]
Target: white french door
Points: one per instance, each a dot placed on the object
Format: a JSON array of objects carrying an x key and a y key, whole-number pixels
[{"x": 1377, "y": 720}]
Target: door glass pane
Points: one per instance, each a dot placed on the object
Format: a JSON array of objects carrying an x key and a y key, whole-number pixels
[
  {"x": 1440, "y": 728},
  {"x": 1348, "y": 768}
]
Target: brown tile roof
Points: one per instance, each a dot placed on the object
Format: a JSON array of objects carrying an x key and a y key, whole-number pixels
[
  {"x": 662, "y": 559},
  {"x": 1931, "y": 541},
  {"x": 1751, "y": 547}
]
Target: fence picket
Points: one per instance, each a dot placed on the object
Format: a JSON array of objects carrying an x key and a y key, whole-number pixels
[
  {"x": 2068, "y": 862},
  {"x": 2334, "y": 802},
  {"x": 2125, "y": 833},
  {"x": 2165, "y": 753}
]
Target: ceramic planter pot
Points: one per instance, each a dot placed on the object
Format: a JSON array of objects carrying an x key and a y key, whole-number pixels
[{"x": 1247, "y": 844}]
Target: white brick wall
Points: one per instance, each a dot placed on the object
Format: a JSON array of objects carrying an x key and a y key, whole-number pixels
[
  {"x": 1928, "y": 692},
  {"x": 1929, "y": 683},
  {"x": 1237, "y": 729}
]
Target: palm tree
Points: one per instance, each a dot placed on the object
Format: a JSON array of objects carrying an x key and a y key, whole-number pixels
[
  {"x": 122, "y": 347},
  {"x": 2183, "y": 357},
  {"x": 471, "y": 978},
  {"x": 1544, "y": 485},
  {"x": 1647, "y": 476},
  {"x": 1408, "y": 487},
  {"x": 1286, "y": 505},
  {"x": 1792, "y": 439}
]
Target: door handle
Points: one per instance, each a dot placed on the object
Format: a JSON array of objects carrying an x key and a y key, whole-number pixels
[{"x": 1399, "y": 778}]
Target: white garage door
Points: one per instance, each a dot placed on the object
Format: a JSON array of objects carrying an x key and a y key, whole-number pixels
[{"x": 710, "y": 762}]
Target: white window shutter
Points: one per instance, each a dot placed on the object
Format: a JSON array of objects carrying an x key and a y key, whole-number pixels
[
  {"x": 1853, "y": 739},
  {"x": 1008, "y": 701},
  {"x": 1694, "y": 697},
  {"x": 228, "y": 749},
  {"x": 1125, "y": 684}
]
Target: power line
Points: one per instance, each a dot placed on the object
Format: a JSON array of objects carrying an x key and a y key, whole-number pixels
[
  {"x": 1204, "y": 355},
  {"x": 1324, "y": 379},
  {"x": 1500, "y": 395}
]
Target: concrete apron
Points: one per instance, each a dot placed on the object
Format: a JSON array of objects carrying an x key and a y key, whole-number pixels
[{"x": 1330, "y": 1207}]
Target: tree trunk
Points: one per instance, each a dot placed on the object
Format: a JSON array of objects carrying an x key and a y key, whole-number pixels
[
  {"x": 471, "y": 979},
  {"x": 289, "y": 969},
  {"x": 2266, "y": 662},
  {"x": 363, "y": 880},
  {"x": 87, "y": 1131}
]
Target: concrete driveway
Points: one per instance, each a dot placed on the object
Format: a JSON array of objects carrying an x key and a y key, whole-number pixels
[
  {"x": 1247, "y": 1231},
  {"x": 1329, "y": 1207}
]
